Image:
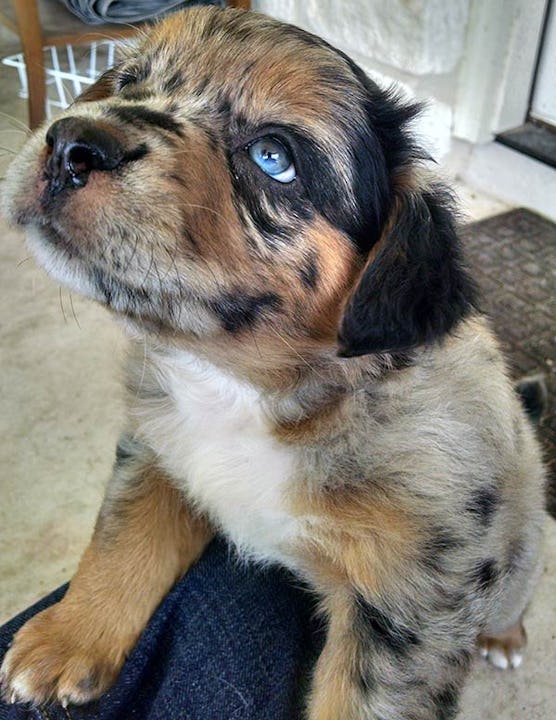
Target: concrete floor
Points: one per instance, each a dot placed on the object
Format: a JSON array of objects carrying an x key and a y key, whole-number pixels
[{"x": 60, "y": 418}]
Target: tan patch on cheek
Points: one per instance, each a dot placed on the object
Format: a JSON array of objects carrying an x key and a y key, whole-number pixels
[
  {"x": 337, "y": 265},
  {"x": 358, "y": 537},
  {"x": 208, "y": 209}
]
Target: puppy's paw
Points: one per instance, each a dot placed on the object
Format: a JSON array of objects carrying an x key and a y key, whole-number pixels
[
  {"x": 57, "y": 656},
  {"x": 506, "y": 649}
]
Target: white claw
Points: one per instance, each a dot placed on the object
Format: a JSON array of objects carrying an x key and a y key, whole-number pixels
[
  {"x": 516, "y": 660},
  {"x": 498, "y": 659}
]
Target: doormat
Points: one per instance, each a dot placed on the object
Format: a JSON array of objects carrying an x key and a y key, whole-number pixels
[{"x": 513, "y": 258}]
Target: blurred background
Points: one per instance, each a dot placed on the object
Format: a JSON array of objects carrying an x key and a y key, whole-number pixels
[{"x": 487, "y": 71}]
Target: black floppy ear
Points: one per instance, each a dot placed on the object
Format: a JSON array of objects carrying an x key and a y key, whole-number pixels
[{"x": 415, "y": 289}]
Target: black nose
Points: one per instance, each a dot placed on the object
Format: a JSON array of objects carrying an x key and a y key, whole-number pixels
[{"x": 78, "y": 146}]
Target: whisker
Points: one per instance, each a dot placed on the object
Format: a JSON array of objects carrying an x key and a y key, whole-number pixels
[
  {"x": 256, "y": 343},
  {"x": 73, "y": 311},
  {"x": 144, "y": 368},
  {"x": 304, "y": 360},
  {"x": 128, "y": 264},
  {"x": 179, "y": 284},
  {"x": 140, "y": 31},
  {"x": 20, "y": 263},
  {"x": 9, "y": 151},
  {"x": 204, "y": 207},
  {"x": 25, "y": 128},
  {"x": 146, "y": 275},
  {"x": 69, "y": 93},
  {"x": 161, "y": 288},
  {"x": 62, "y": 305},
  {"x": 13, "y": 130}
]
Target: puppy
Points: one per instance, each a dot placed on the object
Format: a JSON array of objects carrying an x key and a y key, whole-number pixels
[{"x": 308, "y": 372}]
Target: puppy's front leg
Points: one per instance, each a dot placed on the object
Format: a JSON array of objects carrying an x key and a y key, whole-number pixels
[
  {"x": 377, "y": 666},
  {"x": 145, "y": 538}
]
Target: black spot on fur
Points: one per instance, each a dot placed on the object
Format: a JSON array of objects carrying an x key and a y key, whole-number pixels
[
  {"x": 127, "y": 449},
  {"x": 446, "y": 702},
  {"x": 534, "y": 397},
  {"x": 275, "y": 210},
  {"x": 173, "y": 83},
  {"x": 122, "y": 455},
  {"x": 225, "y": 108},
  {"x": 133, "y": 302},
  {"x": 484, "y": 505},
  {"x": 140, "y": 115},
  {"x": 440, "y": 544},
  {"x": 485, "y": 574},
  {"x": 310, "y": 273},
  {"x": 416, "y": 289},
  {"x": 238, "y": 311},
  {"x": 375, "y": 628},
  {"x": 136, "y": 153},
  {"x": 268, "y": 227},
  {"x": 144, "y": 70},
  {"x": 139, "y": 94}
]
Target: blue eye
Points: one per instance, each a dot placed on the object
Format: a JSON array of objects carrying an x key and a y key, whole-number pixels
[{"x": 273, "y": 159}]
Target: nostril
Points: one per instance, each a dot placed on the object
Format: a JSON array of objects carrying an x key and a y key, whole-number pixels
[
  {"x": 80, "y": 159},
  {"x": 77, "y": 146}
]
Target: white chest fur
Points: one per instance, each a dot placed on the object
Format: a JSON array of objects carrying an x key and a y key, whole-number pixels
[{"x": 212, "y": 435}]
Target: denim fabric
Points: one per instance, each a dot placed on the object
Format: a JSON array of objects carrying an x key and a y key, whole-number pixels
[{"x": 229, "y": 642}]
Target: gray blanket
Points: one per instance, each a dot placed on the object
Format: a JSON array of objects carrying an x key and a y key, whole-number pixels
[{"x": 95, "y": 12}]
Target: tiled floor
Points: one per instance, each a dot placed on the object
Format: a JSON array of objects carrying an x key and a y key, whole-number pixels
[{"x": 59, "y": 420}]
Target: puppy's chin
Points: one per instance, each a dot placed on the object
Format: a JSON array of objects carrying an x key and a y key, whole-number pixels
[
  {"x": 60, "y": 260},
  {"x": 143, "y": 308}
]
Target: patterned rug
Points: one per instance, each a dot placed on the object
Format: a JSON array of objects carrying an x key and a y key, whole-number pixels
[{"x": 513, "y": 257}]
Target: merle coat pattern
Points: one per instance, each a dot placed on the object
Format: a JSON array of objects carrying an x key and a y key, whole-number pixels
[{"x": 308, "y": 370}]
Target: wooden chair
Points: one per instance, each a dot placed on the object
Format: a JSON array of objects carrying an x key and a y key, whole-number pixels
[{"x": 41, "y": 23}]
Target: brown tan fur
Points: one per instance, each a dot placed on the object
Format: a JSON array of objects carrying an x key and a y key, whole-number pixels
[
  {"x": 326, "y": 322},
  {"x": 142, "y": 544},
  {"x": 362, "y": 542}
]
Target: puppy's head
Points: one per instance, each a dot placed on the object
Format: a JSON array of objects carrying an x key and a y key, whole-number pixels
[{"x": 238, "y": 178}]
